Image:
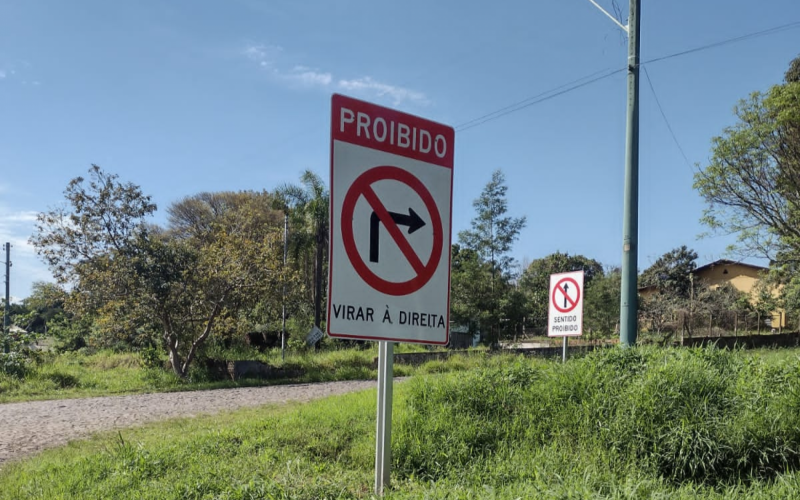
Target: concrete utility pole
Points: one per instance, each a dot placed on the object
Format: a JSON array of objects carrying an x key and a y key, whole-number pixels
[
  {"x": 6, "y": 309},
  {"x": 629, "y": 298}
]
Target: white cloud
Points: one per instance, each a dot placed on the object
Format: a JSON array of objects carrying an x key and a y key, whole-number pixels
[
  {"x": 308, "y": 76},
  {"x": 273, "y": 59},
  {"x": 366, "y": 85},
  {"x": 2, "y": 74}
]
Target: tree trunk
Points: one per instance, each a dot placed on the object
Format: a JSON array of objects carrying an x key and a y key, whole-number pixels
[{"x": 175, "y": 358}]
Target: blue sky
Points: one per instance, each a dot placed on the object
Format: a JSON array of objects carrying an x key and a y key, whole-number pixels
[{"x": 188, "y": 96}]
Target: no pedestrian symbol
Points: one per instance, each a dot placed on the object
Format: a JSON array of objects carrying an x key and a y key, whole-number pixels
[
  {"x": 392, "y": 218},
  {"x": 566, "y": 295}
]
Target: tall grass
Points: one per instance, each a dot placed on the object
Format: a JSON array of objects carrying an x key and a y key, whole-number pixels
[
  {"x": 75, "y": 374},
  {"x": 617, "y": 424}
]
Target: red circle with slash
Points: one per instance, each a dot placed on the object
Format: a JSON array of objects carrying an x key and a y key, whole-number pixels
[
  {"x": 362, "y": 186},
  {"x": 572, "y": 303}
]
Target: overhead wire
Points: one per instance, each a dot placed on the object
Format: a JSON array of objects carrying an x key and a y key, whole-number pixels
[
  {"x": 664, "y": 116},
  {"x": 755, "y": 34},
  {"x": 582, "y": 82},
  {"x": 538, "y": 98}
]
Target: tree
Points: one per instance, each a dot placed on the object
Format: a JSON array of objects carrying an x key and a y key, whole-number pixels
[
  {"x": 308, "y": 205},
  {"x": 671, "y": 273},
  {"x": 470, "y": 288},
  {"x": 601, "y": 307},
  {"x": 493, "y": 233},
  {"x": 140, "y": 284},
  {"x": 46, "y": 302},
  {"x": 491, "y": 238},
  {"x": 535, "y": 282},
  {"x": 752, "y": 183},
  {"x": 97, "y": 218}
]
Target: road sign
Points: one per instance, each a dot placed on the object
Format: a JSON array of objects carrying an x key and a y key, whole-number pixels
[
  {"x": 566, "y": 305},
  {"x": 314, "y": 336},
  {"x": 391, "y": 198}
]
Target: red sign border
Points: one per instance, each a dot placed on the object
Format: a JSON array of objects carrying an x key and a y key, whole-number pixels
[
  {"x": 337, "y": 100},
  {"x": 363, "y": 182},
  {"x": 549, "y": 295}
]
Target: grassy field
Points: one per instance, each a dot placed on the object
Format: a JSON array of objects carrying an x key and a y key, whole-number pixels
[
  {"x": 71, "y": 375},
  {"x": 617, "y": 424}
]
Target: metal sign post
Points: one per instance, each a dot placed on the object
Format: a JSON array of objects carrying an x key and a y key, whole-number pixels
[
  {"x": 390, "y": 235},
  {"x": 383, "y": 441},
  {"x": 564, "y": 351}
]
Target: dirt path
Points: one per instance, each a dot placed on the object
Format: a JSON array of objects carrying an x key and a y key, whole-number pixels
[{"x": 27, "y": 428}]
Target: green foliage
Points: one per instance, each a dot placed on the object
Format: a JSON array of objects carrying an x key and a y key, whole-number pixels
[
  {"x": 535, "y": 283},
  {"x": 485, "y": 257},
  {"x": 751, "y": 183},
  {"x": 307, "y": 205},
  {"x": 21, "y": 354},
  {"x": 493, "y": 232},
  {"x": 601, "y": 306},
  {"x": 618, "y": 424},
  {"x": 702, "y": 416},
  {"x": 672, "y": 272}
]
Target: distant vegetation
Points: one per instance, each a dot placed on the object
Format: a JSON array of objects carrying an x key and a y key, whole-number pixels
[
  {"x": 79, "y": 374},
  {"x": 636, "y": 423}
]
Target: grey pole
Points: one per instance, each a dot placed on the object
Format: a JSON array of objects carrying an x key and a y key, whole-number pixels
[
  {"x": 564, "y": 350},
  {"x": 283, "y": 308},
  {"x": 629, "y": 299},
  {"x": 383, "y": 435},
  {"x": 7, "y": 307}
]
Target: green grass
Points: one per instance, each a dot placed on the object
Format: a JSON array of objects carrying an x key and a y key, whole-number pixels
[
  {"x": 72, "y": 375},
  {"x": 617, "y": 424}
]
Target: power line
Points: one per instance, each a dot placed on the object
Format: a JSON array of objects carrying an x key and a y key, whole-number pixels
[
  {"x": 574, "y": 85},
  {"x": 530, "y": 101},
  {"x": 756, "y": 34},
  {"x": 664, "y": 116}
]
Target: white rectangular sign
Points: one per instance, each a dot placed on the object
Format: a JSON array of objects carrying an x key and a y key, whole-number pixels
[
  {"x": 391, "y": 199},
  {"x": 565, "y": 318}
]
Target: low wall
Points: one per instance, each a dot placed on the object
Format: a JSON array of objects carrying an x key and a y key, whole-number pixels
[{"x": 418, "y": 358}]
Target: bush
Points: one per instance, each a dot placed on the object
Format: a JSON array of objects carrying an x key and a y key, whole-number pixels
[{"x": 702, "y": 416}]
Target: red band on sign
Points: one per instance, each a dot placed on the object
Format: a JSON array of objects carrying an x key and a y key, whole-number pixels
[{"x": 376, "y": 127}]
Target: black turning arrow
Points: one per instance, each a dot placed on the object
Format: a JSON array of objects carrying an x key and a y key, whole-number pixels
[{"x": 412, "y": 220}]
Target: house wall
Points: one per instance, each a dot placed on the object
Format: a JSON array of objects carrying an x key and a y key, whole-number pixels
[{"x": 742, "y": 278}]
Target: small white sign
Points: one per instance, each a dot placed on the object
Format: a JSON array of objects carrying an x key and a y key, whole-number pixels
[
  {"x": 566, "y": 305},
  {"x": 314, "y": 336}
]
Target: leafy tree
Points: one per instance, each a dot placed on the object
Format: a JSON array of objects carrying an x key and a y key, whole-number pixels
[
  {"x": 470, "y": 288},
  {"x": 752, "y": 183},
  {"x": 97, "y": 218},
  {"x": 535, "y": 282},
  {"x": 139, "y": 284},
  {"x": 45, "y": 303},
  {"x": 671, "y": 273},
  {"x": 493, "y": 232},
  {"x": 491, "y": 238},
  {"x": 308, "y": 205},
  {"x": 601, "y": 305}
]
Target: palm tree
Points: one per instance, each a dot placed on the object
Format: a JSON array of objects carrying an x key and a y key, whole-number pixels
[{"x": 307, "y": 205}]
